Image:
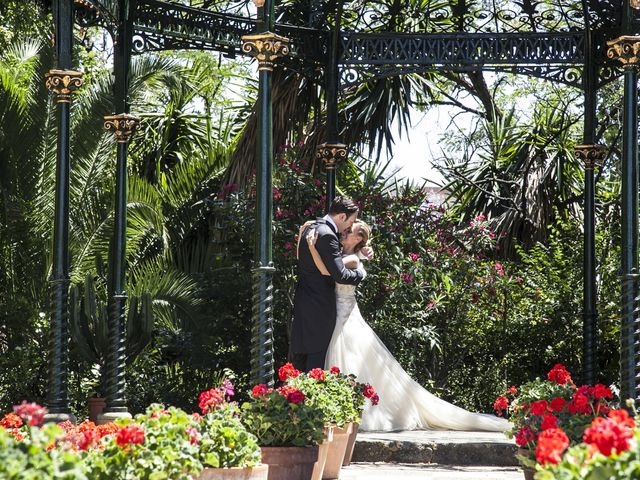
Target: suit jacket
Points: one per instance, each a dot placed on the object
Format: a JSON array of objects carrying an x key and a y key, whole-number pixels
[{"x": 314, "y": 304}]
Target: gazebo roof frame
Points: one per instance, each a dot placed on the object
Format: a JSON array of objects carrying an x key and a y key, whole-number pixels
[{"x": 382, "y": 38}]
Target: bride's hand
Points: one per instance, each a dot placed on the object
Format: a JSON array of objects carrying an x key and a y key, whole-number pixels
[
  {"x": 367, "y": 252},
  {"x": 312, "y": 237},
  {"x": 304, "y": 226}
]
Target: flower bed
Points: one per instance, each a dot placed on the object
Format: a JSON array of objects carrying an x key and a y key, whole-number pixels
[{"x": 550, "y": 415}]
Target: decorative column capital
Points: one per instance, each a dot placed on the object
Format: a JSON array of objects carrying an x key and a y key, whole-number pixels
[
  {"x": 63, "y": 83},
  {"x": 266, "y": 47},
  {"x": 330, "y": 153},
  {"x": 123, "y": 126},
  {"x": 625, "y": 49},
  {"x": 591, "y": 155}
]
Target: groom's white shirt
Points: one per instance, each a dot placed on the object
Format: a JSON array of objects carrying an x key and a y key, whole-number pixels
[{"x": 328, "y": 219}]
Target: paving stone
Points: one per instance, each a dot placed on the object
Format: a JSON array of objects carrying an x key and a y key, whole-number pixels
[
  {"x": 406, "y": 471},
  {"x": 448, "y": 448}
]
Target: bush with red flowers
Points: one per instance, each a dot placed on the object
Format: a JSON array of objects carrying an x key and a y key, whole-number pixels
[
  {"x": 283, "y": 416},
  {"x": 26, "y": 450},
  {"x": 609, "y": 449},
  {"x": 549, "y": 410}
]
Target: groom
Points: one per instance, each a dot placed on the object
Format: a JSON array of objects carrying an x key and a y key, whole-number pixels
[{"x": 314, "y": 303}]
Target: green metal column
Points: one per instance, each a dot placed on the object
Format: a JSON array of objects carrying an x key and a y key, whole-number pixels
[
  {"x": 266, "y": 47},
  {"x": 331, "y": 151},
  {"x": 62, "y": 81},
  {"x": 122, "y": 125},
  {"x": 591, "y": 155},
  {"x": 622, "y": 49}
]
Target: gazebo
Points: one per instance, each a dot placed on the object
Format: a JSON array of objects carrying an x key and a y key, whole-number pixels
[{"x": 337, "y": 45}]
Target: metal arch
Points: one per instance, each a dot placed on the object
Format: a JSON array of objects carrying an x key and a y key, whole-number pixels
[
  {"x": 554, "y": 56},
  {"x": 159, "y": 25}
]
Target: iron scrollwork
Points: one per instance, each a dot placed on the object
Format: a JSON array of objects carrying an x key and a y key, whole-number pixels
[
  {"x": 63, "y": 83},
  {"x": 123, "y": 126},
  {"x": 591, "y": 155},
  {"x": 331, "y": 153}
]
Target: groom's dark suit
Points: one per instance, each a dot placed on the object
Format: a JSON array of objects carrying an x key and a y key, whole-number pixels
[{"x": 314, "y": 304}]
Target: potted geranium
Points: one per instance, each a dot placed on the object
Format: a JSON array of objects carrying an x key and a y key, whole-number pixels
[
  {"x": 227, "y": 449},
  {"x": 341, "y": 399},
  {"x": 547, "y": 404},
  {"x": 287, "y": 428},
  {"x": 609, "y": 450},
  {"x": 25, "y": 448}
]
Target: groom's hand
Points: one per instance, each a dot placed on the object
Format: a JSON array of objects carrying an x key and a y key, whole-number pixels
[{"x": 367, "y": 252}]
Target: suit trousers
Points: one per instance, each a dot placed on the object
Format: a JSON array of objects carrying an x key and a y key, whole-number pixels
[{"x": 308, "y": 361}]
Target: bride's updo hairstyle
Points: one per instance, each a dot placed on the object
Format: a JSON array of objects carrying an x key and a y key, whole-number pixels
[{"x": 363, "y": 231}]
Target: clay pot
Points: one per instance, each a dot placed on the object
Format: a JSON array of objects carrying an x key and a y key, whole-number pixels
[
  {"x": 351, "y": 443},
  {"x": 337, "y": 448},
  {"x": 323, "y": 449},
  {"x": 529, "y": 472},
  {"x": 290, "y": 463},
  {"x": 259, "y": 472},
  {"x": 96, "y": 407}
]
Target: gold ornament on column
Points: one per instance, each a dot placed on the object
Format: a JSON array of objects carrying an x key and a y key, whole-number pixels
[
  {"x": 63, "y": 83},
  {"x": 123, "y": 126},
  {"x": 591, "y": 155},
  {"x": 330, "y": 153},
  {"x": 626, "y": 50},
  {"x": 266, "y": 47}
]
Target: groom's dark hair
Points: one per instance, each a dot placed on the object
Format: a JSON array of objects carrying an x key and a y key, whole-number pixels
[{"x": 343, "y": 205}]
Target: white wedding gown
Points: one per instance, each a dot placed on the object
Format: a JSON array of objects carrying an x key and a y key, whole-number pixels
[{"x": 404, "y": 403}]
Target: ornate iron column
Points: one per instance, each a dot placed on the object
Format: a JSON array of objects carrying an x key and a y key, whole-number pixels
[
  {"x": 625, "y": 49},
  {"x": 123, "y": 126},
  {"x": 266, "y": 47},
  {"x": 63, "y": 82},
  {"x": 332, "y": 150},
  {"x": 592, "y": 155}
]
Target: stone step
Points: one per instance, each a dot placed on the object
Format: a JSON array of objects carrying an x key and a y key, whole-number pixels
[{"x": 441, "y": 447}]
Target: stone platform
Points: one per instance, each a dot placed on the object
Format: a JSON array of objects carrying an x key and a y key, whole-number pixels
[{"x": 444, "y": 448}]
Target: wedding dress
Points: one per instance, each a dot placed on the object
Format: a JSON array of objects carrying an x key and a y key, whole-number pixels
[{"x": 404, "y": 404}]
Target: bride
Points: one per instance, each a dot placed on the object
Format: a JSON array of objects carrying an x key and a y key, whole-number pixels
[{"x": 356, "y": 349}]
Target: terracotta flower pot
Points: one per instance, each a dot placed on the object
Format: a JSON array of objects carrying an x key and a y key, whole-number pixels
[
  {"x": 351, "y": 443},
  {"x": 336, "y": 452},
  {"x": 528, "y": 471},
  {"x": 323, "y": 449},
  {"x": 259, "y": 472},
  {"x": 96, "y": 407},
  {"x": 290, "y": 463}
]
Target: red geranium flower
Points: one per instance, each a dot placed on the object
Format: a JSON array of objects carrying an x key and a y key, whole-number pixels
[
  {"x": 601, "y": 391},
  {"x": 31, "y": 413},
  {"x": 334, "y": 370},
  {"x": 375, "y": 399},
  {"x": 286, "y": 371},
  {"x": 524, "y": 436},
  {"x": 11, "y": 420},
  {"x": 607, "y": 435},
  {"x": 132, "y": 433},
  {"x": 549, "y": 421},
  {"x": 512, "y": 390},
  {"x": 317, "y": 374},
  {"x": 259, "y": 390},
  {"x": 551, "y": 445},
  {"x": 621, "y": 417},
  {"x": 501, "y": 404},
  {"x": 210, "y": 400},
  {"x": 580, "y": 404},
  {"x": 368, "y": 391},
  {"x": 295, "y": 397},
  {"x": 559, "y": 374},
  {"x": 539, "y": 407},
  {"x": 557, "y": 404}
]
